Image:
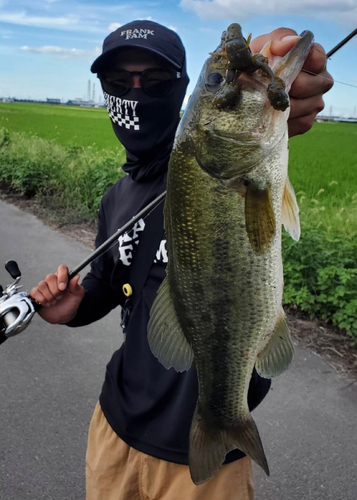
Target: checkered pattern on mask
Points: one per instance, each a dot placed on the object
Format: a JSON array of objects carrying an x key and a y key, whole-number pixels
[{"x": 122, "y": 111}]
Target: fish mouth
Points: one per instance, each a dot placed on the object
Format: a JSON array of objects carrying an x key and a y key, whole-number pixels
[{"x": 243, "y": 139}]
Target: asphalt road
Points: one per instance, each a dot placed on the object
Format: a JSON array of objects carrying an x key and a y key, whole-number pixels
[{"x": 50, "y": 379}]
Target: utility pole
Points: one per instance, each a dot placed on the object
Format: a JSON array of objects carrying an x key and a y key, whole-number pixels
[
  {"x": 93, "y": 95},
  {"x": 88, "y": 91}
]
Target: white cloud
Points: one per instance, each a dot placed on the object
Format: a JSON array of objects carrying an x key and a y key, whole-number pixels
[
  {"x": 70, "y": 22},
  {"x": 173, "y": 28},
  {"x": 346, "y": 19},
  {"x": 6, "y": 34},
  {"x": 114, "y": 26},
  {"x": 238, "y": 10},
  {"x": 67, "y": 15},
  {"x": 62, "y": 52},
  {"x": 38, "y": 21}
]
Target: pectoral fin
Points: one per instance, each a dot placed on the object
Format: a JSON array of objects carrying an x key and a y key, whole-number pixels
[
  {"x": 165, "y": 336},
  {"x": 278, "y": 353},
  {"x": 259, "y": 217},
  {"x": 290, "y": 212}
]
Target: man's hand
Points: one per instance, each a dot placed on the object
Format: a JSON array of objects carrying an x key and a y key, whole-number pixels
[
  {"x": 307, "y": 90},
  {"x": 59, "y": 297}
]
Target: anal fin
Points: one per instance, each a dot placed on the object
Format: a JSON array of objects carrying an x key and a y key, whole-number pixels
[
  {"x": 278, "y": 353},
  {"x": 165, "y": 336}
]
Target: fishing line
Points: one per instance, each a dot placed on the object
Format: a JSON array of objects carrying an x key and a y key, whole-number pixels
[
  {"x": 329, "y": 79},
  {"x": 329, "y": 54},
  {"x": 339, "y": 45}
]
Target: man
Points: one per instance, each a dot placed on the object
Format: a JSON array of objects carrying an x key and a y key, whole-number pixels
[{"x": 138, "y": 438}]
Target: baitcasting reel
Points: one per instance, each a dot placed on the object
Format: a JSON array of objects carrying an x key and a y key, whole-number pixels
[{"x": 16, "y": 308}]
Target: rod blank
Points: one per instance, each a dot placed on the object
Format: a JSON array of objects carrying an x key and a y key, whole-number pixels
[
  {"x": 342, "y": 43},
  {"x": 108, "y": 243}
]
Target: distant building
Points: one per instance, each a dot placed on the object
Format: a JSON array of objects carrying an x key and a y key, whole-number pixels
[
  {"x": 74, "y": 102},
  {"x": 80, "y": 102},
  {"x": 49, "y": 100},
  {"x": 324, "y": 118},
  {"x": 87, "y": 104}
]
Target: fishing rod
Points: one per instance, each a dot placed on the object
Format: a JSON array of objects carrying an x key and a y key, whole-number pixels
[
  {"x": 17, "y": 308},
  {"x": 110, "y": 241},
  {"x": 342, "y": 43}
]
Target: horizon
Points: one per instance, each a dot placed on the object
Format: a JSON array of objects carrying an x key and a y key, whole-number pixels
[{"x": 48, "y": 45}]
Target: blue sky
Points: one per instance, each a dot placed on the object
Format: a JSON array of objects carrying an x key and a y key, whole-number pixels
[{"x": 47, "y": 46}]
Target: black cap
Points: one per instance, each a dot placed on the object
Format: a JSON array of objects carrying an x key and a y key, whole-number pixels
[{"x": 144, "y": 35}]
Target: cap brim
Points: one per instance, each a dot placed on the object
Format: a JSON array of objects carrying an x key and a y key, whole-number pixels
[{"x": 101, "y": 61}]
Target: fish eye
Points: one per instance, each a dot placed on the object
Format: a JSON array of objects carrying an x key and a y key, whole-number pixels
[{"x": 214, "y": 81}]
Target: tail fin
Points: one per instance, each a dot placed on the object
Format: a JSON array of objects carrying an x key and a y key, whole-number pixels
[{"x": 208, "y": 448}]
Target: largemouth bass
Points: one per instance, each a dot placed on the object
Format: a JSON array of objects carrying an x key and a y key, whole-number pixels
[{"x": 228, "y": 195}]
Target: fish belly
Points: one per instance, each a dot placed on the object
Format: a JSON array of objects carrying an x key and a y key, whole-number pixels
[{"x": 227, "y": 297}]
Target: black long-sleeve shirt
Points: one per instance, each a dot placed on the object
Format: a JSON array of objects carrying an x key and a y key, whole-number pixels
[{"x": 149, "y": 407}]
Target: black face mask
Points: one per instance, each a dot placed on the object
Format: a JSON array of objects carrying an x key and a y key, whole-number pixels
[
  {"x": 146, "y": 127},
  {"x": 141, "y": 122}
]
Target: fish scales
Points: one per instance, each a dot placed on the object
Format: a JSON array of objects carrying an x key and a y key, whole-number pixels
[
  {"x": 214, "y": 262},
  {"x": 228, "y": 194}
]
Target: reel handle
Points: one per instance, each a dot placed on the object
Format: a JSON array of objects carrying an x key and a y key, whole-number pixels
[{"x": 13, "y": 269}]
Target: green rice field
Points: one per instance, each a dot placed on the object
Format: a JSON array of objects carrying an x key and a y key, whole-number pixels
[
  {"x": 323, "y": 170},
  {"x": 68, "y": 126},
  {"x": 67, "y": 157},
  {"x": 323, "y": 162}
]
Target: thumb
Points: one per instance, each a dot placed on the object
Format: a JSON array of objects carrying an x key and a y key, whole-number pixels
[
  {"x": 73, "y": 286},
  {"x": 282, "y": 40}
]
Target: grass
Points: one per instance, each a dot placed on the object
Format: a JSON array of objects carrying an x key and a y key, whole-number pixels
[
  {"x": 71, "y": 180},
  {"x": 68, "y": 126},
  {"x": 321, "y": 269},
  {"x": 323, "y": 171},
  {"x": 68, "y": 157},
  {"x": 322, "y": 162}
]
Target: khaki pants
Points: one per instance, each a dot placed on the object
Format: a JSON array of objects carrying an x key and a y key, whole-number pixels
[{"x": 115, "y": 471}]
